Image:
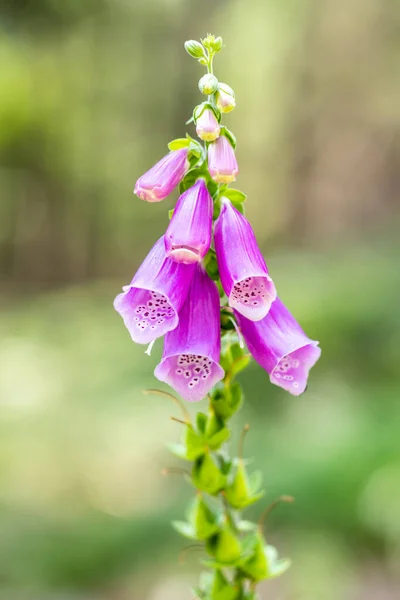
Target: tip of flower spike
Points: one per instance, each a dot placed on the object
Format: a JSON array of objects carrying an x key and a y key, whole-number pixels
[{"x": 291, "y": 372}]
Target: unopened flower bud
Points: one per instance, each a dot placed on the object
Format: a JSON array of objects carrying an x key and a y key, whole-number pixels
[
  {"x": 222, "y": 163},
  {"x": 194, "y": 48},
  {"x": 225, "y": 98},
  {"x": 208, "y": 84},
  {"x": 207, "y": 126}
]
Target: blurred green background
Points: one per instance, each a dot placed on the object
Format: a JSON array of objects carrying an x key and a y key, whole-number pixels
[{"x": 91, "y": 91}]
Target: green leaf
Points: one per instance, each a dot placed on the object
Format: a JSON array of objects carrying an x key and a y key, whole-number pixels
[
  {"x": 178, "y": 144},
  {"x": 235, "y": 196},
  {"x": 170, "y": 213}
]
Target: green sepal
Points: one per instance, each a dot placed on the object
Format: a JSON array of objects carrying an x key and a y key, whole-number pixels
[
  {"x": 211, "y": 265},
  {"x": 228, "y": 134},
  {"x": 179, "y": 143},
  {"x": 194, "y": 49},
  {"x": 246, "y": 526},
  {"x": 263, "y": 562},
  {"x": 215, "y": 586},
  {"x": 276, "y": 566},
  {"x": 234, "y": 358},
  {"x": 221, "y": 589},
  {"x": 227, "y": 319},
  {"x": 191, "y": 177},
  {"x": 216, "y": 432},
  {"x": 256, "y": 565},
  {"x": 225, "y": 547},
  {"x": 227, "y": 401},
  {"x": 239, "y": 207},
  {"x": 243, "y": 490},
  {"x": 202, "y": 522},
  {"x": 200, "y": 108},
  {"x": 194, "y": 443},
  {"x": 235, "y": 196},
  {"x": 201, "y": 422},
  {"x": 207, "y": 476},
  {"x": 170, "y": 213}
]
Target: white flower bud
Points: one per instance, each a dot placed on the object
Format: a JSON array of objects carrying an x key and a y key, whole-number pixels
[{"x": 208, "y": 84}]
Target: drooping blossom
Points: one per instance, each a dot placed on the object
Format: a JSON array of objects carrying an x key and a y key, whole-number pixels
[
  {"x": 150, "y": 304},
  {"x": 157, "y": 183},
  {"x": 188, "y": 236},
  {"x": 192, "y": 350},
  {"x": 242, "y": 268},
  {"x": 207, "y": 126},
  {"x": 222, "y": 163},
  {"x": 281, "y": 347},
  {"x": 225, "y": 98}
]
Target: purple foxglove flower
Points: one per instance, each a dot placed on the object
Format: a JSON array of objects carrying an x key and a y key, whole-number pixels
[
  {"x": 242, "y": 268},
  {"x": 150, "y": 304},
  {"x": 192, "y": 350},
  {"x": 222, "y": 162},
  {"x": 157, "y": 183},
  {"x": 188, "y": 236},
  {"x": 207, "y": 126},
  {"x": 281, "y": 347}
]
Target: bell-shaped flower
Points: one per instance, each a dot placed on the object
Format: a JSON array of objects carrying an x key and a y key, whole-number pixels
[
  {"x": 225, "y": 97},
  {"x": 222, "y": 162},
  {"x": 281, "y": 347},
  {"x": 207, "y": 126},
  {"x": 191, "y": 351},
  {"x": 157, "y": 183},
  {"x": 242, "y": 268},
  {"x": 150, "y": 304},
  {"x": 188, "y": 236}
]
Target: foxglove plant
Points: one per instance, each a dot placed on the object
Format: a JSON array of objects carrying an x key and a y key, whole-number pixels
[{"x": 205, "y": 301}]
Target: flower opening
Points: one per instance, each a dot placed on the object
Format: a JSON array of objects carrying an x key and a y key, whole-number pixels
[{"x": 281, "y": 347}]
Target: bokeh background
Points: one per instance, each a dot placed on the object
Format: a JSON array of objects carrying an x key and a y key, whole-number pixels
[{"x": 91, "y": 91}]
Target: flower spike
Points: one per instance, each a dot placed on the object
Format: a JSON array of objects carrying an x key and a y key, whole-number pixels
[
  {"x": 192, "y": 350},
  {"x": 244, "y": 274},
  {"x": 149, "y": 305},
  {"x": 157, "y": 183},
  {"x": 281, "y": 347},
  {"x": 188, "y": 236}
]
